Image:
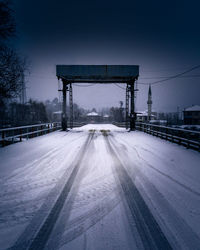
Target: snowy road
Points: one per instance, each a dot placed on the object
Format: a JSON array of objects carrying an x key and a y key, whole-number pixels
[{"x": 99, "y": 187}]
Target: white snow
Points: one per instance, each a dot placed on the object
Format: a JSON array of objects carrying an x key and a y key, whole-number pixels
[
  {"x": 93, "y": 114},
  {"x": 95, "y": 214},
  {"x": 193, "y": 108}
]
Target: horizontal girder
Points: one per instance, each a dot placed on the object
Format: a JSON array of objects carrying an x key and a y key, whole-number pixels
[{"x": 97, "y": 73}]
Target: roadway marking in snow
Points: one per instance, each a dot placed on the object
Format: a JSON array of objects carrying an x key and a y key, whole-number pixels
[
  {"x": 150, "y": 232},
  {"x": 38, "y": 239}
]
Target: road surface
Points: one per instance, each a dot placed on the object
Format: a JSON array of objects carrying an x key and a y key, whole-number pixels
[{"x": 99, "y": 187}]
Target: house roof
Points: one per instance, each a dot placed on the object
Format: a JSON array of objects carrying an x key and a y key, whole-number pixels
[
  {"x": 193, "y": 108},
  {"x": 58, "y": 112},
  {"x": 93, "y": 114},
  {"x": 144, "y": 115}
]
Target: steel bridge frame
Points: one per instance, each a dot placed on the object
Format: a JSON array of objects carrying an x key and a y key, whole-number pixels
[{"x": 70, "y": 74}]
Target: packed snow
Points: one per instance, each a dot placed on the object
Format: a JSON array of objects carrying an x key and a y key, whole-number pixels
[{"x": 95, "y": 214}]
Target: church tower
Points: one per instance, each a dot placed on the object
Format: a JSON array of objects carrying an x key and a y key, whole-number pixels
[{"x": 149, "y": 102}]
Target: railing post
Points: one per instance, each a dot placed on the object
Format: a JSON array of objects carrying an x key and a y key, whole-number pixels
[
  {"x": 188, "y": 143},
  {"x": 3, "y": 138},
  {"x": 13, "y": 133},
  {"x": 20, "y": 135},
  {"x": 32, "y": 132}
]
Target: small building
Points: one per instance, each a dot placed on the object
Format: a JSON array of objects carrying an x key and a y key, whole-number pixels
[
  {"x": 147, "y": 115},
  {"x": 106, "y": 118},
  {"x": 143, "y": 116},
  {"x": 191, "y": 115},
  {"x": 93, "y": 117}
]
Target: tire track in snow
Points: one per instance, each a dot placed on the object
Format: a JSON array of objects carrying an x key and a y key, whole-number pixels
[
  {"x": 180, "y": 233},
  {"x": 148, "y": 229},
  {"x": 15, "y": 196},
  {"x": 36, "y": 164},
  {"x": 84, "y": 222},
  {"x": 165, "y": 175},
  {"x": 37, "y": 233}
]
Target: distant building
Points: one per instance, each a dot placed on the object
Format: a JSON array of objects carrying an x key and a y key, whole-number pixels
[
  {"x": 149, "y": 103},
  {"x": 143, "y": 116},
  {"x": 106, "y": 118},
  {"x": 191, "y": 115},
  {"x": 147, "y": 115},
  {"x": 93, "y": 117}
]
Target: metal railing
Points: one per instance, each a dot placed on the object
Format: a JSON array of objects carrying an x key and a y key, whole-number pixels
[
  {"x": 16, "y": 134},
  {"x": 187, "y": 138},
  {"x": 120, "y": 124}
]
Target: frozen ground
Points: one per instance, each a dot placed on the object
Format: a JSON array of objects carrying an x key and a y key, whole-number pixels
[{"x": 112, "y": 190}]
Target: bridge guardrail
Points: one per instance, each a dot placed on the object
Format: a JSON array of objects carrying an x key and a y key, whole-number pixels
[
  {"x": 187, "y": 138},
  {"x": 15, "y": 134},
  {"x": 11, "y": 135}
]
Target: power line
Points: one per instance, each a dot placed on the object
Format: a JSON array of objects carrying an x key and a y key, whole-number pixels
[
  {"x": 165, "y": 69},
  {"x": 172, "y": 77},
  {"x": 180, "y": 75},
  {"x": 160, "y": 77}
]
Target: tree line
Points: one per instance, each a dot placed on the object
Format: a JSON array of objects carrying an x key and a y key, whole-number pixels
[{"x": 12, "y": 64}]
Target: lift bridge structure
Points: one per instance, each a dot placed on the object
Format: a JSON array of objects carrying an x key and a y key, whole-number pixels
[{"x": 104, "y": 74}]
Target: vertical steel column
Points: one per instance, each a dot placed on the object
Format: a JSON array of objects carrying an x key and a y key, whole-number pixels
[
  {"x": 71, "y": 105},
  {"x": 64, "y": 113},
  {"x": 132, "y": 115},
  {"x": 127, "y": 106}
]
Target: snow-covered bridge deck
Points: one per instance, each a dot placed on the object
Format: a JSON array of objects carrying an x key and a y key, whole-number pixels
[{"x": 98, "y": 207}]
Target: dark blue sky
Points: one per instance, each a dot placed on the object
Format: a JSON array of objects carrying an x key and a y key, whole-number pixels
[{"x": 162, "y": 37}]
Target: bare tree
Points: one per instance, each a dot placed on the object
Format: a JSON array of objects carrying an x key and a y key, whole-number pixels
[
  {"x": 12, "y": 65},
  {"x": 7, "y": 22},
  {"x": 11, "y": 73}
]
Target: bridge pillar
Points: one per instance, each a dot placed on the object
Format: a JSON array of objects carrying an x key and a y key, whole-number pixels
[
  {"x": 64, "y": 113},
  {"x": 71, "y": 105},
  {"x": 132, "y": 114},
  {"x": 127, "y": 106}
]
